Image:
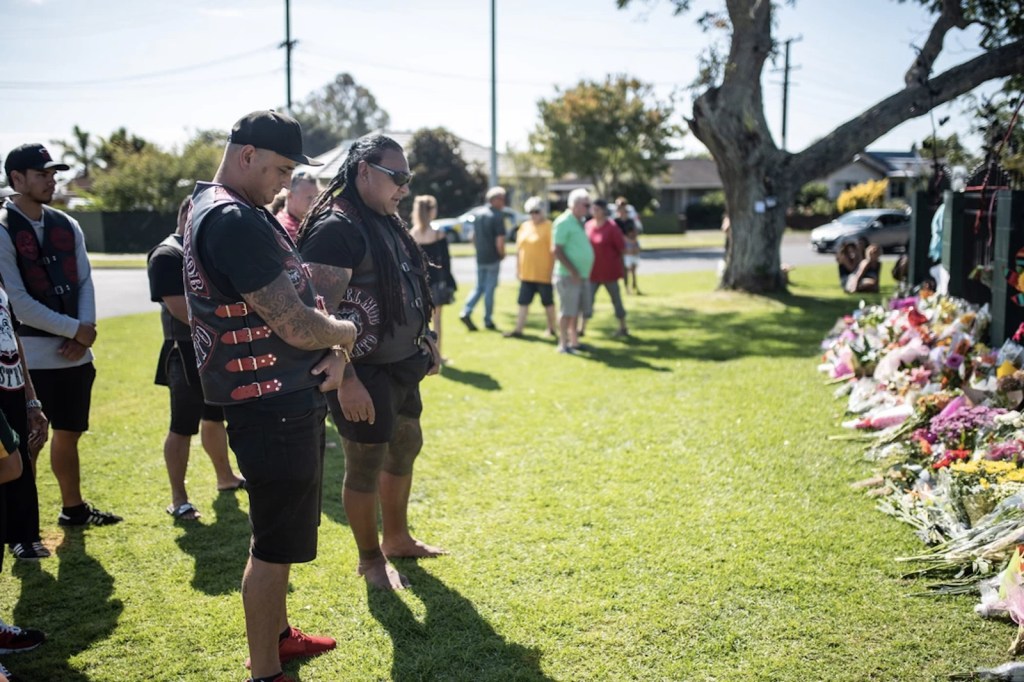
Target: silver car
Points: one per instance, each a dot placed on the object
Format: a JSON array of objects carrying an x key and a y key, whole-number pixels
[{"x": 886, "y": 227}]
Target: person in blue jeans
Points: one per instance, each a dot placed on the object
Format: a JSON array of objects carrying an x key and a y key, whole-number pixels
[{"x": 489, "y": 241}]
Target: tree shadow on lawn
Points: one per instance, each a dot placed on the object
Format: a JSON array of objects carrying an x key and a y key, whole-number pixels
[
  {"x": 56, "y": 605},
  {"x": 220, "y": 549},
  {"x": 795, "y": 331},
  {"x": 453, "y": 641}
]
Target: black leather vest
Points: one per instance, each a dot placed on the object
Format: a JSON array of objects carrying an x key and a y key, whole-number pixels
[
  {"x": 360, "y": 306},
  {"x": 239, "y": 357},
  {"x": 174, "y": 329},
  {"x": 49, "y": 270}
]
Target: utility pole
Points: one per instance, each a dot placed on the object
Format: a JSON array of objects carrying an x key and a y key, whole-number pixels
[
  {"x": 785, "y": 89},
  {"x": 288, "y": 44},
  {"x": 494, "y": 100}
]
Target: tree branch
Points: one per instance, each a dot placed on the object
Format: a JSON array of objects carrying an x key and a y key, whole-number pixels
[
  {"x": 841, "y": 144},
  {"x": 751, "y": 41},
  {"x": 952, "y": 16}
]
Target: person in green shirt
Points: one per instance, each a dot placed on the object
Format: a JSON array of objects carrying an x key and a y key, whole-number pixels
[{"x": 574, "y": 258}]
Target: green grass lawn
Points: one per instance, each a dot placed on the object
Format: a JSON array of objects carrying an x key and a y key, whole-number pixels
[{"x": 665, "y": 508}]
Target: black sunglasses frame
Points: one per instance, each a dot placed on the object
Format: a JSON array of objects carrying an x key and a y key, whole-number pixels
[{"x": 400, "y": 178}]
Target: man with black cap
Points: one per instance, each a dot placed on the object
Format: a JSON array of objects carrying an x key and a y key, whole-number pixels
[
  {"x": 47, "y": 276},
  {"x": 261, "y": 343}
]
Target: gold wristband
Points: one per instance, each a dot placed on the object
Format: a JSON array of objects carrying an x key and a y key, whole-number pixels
[{"x": 343, "y": 351}]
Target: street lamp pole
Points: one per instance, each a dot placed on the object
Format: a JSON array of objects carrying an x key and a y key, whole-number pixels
[{"x": 494, "y": 101}]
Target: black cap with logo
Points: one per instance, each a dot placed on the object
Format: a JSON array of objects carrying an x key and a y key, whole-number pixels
[
  {"x": 32, "y": 157},
  {"x": 271, "y": 130}
]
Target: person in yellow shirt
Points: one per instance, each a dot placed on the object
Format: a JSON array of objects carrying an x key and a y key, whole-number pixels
[{"x": 534, "y": 263}]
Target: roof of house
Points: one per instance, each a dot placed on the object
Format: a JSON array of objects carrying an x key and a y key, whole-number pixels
[
  {"x": 472, "y": 153},
  {"x": 894, "y": 164},
  {"x": 692, "y": 174}
]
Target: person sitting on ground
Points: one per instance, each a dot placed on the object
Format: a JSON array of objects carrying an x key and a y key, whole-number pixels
[
  {"x": 848, "y": 256},
  {"x": 535, "y": 262},
  {"x": 865, "y": 279}
]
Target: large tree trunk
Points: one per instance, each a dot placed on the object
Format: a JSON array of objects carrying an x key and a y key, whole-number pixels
[{"x": 761, "y": 180}]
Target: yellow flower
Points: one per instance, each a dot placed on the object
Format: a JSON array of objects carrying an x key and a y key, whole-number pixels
[{"x": 1005, "y": 369}]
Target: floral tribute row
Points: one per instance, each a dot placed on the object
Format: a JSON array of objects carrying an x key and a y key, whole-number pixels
[{"x": 941, "y": 413}]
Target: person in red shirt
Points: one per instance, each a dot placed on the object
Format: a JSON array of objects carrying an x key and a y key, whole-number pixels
[
  {"x": 296, "y": 204},
  {"x": 609, "y": 247}
]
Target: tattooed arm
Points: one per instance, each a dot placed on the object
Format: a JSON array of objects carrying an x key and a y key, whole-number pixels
[
  {"x": 330, "y": 282},
  {"x": 307, "y": 328}
]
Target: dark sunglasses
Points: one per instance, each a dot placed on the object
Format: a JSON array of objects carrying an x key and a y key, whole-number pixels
[{"x": 400, "y": 178}]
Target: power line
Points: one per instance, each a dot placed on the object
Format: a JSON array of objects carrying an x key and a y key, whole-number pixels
[{"x": 52, "y": 85}]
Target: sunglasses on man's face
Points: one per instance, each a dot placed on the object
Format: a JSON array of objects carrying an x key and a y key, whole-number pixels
[{"x": 400, "y": 178}]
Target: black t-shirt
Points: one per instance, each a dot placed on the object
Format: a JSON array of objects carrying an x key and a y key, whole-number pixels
[
  {"x": 165, "y": 272},
  {"x": 239, "y": 252},
  {"x": 333, "y": 241},
  {"x": 626, "y": 225}
]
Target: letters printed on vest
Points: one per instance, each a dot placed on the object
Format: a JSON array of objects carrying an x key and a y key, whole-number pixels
[
  {"x": 49, "y": 270},
  {"x": 238, "y": 356}
]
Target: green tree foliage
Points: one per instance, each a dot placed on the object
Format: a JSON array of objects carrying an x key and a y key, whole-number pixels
[
  {"x": 998, "y": 119},
  {"x": 435, "y": 157},
  {"x": 148, "y": 178},
  {"x": 812, "y": 196},
  {"x": 80, "y": 152},
  {"x": 609, "y": 133},
  {"x": 118, "y": 145},
  {"x": 948, "y": 150},
  {"x": 340, "y": 110},
  {"x": 870, "y": 194}
]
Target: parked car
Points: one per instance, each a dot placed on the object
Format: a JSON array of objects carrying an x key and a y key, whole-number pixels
[
  {"x": 461, "y": 229},
  {"x": 888, "y": 228}
]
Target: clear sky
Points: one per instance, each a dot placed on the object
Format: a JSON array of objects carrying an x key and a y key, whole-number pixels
[{"x": 166, "y": 68}]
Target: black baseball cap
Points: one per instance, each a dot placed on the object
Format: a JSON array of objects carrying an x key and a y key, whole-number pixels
[
  {"x": 32, "y": 157},
  {"x": 271, "y": 130}
]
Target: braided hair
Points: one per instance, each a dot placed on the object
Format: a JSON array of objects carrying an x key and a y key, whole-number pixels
[{"x": 371, "y": 148}]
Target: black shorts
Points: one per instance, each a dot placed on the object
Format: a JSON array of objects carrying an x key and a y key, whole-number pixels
[
  {"x": 66, "y": 395},
  {"x": 391, "y": 397},
  {"x": 528, "y": 289},
  {"x": 187, "y": 404},
  {"x": 279, "y": 446}
]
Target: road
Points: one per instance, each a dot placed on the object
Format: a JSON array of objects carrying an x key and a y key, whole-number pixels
[{"x": 124, "y": 292}]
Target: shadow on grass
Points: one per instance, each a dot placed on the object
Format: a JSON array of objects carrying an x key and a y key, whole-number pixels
[
  {"x": 57, "y": 605},
  {"x": 795, "y": 330},
  {"x": 452, "y": 636},
  {"x": 480, "y": 380},
  {"x": 219, "y": 549}
]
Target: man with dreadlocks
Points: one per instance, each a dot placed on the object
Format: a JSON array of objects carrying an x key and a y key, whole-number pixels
[
  {"x": 369, "y": 269},
  {"x": 260, "y": 345}
]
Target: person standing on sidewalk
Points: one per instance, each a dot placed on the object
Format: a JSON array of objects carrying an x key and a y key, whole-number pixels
[
  {"x": 261, "y": 341},
  {"x": 48, "y": 278},
  {"x": 489, "y": 241},
  {"x": 176, "y": 369}
]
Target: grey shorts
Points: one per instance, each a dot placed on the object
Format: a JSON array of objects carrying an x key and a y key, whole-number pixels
[{"x": 573, "y": 297}]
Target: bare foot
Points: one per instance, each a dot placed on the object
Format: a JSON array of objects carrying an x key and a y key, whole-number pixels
[
  {"x": 382, "y": 575},
  {"x": 234, "y": 483},
  {"x": 411, "y": 548}
]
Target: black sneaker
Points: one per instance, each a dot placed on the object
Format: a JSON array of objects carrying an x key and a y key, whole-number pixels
[
  {"x": 14, "y": 640},
  {"x": 468, "y": 321},
  {"x": 30, "y": 551},
  {"x": 85, "y": 515}
]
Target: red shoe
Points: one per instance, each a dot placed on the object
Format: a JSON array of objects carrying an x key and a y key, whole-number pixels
[{"x": 300, "y": 645}]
